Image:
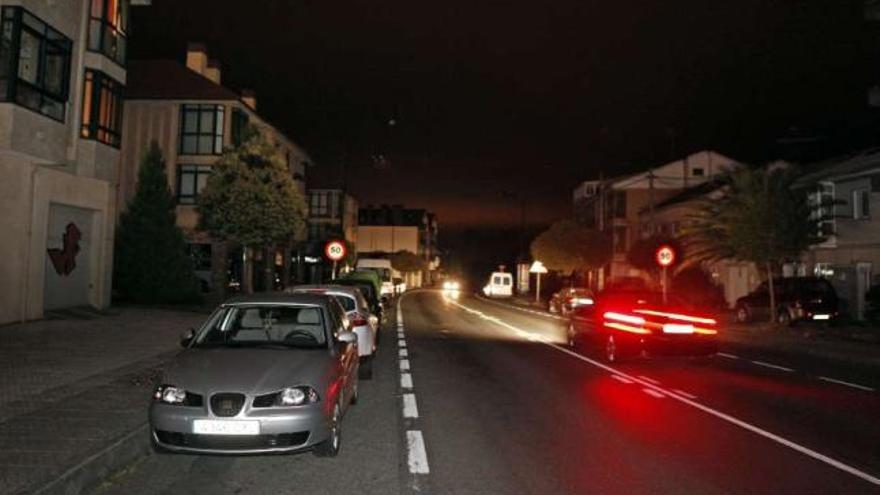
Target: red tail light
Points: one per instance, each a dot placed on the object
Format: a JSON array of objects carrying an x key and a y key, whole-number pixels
[
  {"x": 358, "y": 320},
  {"x": 625, "y": 322}
]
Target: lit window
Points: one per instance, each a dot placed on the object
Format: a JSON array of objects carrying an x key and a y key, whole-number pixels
[
  {"x": 108, "y": 28},
  {"x": 191, "y": 180},
  {"x": 822, "y": 202},
  {"x": 861, "y": 204},
  {"x": 102, "y": 108},
  {"x": 201, "y": 129},
  {"x": 319, "y": 204},
  {"x": 34, "y": 63}
]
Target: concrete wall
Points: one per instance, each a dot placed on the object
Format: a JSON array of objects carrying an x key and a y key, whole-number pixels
[{"x": 388, "y": 239}]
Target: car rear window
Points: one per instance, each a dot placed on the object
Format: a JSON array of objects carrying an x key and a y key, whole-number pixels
[{"x": 347, "y": 302}]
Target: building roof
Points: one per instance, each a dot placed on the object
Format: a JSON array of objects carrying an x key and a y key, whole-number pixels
[
  {"x": 171, "y": 80},
  {"x": 851, "y": 164},
  {"x": 688, "y": 194}
]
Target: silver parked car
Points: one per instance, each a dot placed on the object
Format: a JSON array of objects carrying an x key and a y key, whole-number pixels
[
  {"x": 364, "y": 324},
  {"x": 265, "y": 373}
]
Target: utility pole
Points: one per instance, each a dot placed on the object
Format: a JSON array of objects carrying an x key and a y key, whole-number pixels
[{"x": 651, "y": 178}]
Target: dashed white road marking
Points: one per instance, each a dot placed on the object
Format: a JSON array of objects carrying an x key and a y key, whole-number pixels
[
  {"x": 726, "y": 355},
  {"x": 649, "y": 379},
  {"x": 771, "y": 365},
  {"x": 621, "y": 379},
  {"x": 683, "y": 393},
  {"x": 708, "y": 410},
  {"x": 401, "y": 343},
  {"x": 404, "y": 365},
  {"x": 410, "y": 409},
  {"x": 406, "y": 381},
  {"x": 417, "y": 456},
  {"x": 402, "y": 353},
  {"x": 846, "y": 384},
  {"x": 653, "y": 393}
]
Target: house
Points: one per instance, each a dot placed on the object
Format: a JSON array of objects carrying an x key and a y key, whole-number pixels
[
  {"x": 333, "y": 214},
  {"x": 614, "y": 205},
  {"x": 843, "y": 191},
  {"x": 62, "y": 74},
  {"x": 193, "y": 117},
  {"x": 385, "y": 230}
]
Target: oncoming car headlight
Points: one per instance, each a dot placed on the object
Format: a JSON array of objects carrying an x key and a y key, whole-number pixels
[
  {"x": 169, "y": 394},
  {"x": 297, "y": 396}
]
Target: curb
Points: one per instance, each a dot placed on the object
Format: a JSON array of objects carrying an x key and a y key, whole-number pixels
[{"x": 88, "y": 473}]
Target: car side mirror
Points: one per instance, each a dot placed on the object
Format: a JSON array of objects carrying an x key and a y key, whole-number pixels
[
  {"x": 187, "y": 337},
  {"x": 374, "y": 320},
  {"x": 347, "y": 338}
]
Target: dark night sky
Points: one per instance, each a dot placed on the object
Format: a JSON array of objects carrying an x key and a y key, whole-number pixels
[{"x": 527, "y": 97}]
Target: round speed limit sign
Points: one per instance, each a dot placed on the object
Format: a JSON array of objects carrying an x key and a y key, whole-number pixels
[
  {"x": 335, "y": 250},
  {"x": 665, "y": 256}
]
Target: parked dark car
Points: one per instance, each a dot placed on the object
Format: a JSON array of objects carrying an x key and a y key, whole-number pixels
[
  {"x": 567, "y": 299},
  {"x": 797, "y": 299},
  {"x": 642, "y": 323}
]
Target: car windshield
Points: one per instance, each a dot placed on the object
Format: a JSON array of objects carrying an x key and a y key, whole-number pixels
[{"x": 264, "y": 326}]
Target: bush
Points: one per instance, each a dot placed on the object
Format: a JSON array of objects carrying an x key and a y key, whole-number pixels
[{"x": 693, "y": 284}]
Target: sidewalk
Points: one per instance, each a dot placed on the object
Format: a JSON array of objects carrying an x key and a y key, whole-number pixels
[{"x": 74, "y": 392}]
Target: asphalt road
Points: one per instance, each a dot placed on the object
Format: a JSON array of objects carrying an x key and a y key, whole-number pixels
[{"x": 471, "y": 396}]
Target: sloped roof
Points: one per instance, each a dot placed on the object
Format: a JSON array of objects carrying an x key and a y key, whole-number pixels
[
  {"x": 171, "y": 80},
  {"x": 841, "y": 165}
]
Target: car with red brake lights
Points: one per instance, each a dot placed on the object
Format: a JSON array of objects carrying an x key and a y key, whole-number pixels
[{"x": 639, "y": 323}]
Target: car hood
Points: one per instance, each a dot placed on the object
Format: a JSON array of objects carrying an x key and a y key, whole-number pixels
[{"x": 249, "y": 371}]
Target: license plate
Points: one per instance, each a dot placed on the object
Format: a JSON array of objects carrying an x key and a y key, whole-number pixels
[
  {"x": 821, "y": 317},
  {"x": 678, "y": 328},
  {"x": 215, "y": 427}
]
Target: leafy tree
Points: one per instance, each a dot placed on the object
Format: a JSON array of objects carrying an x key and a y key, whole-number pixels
[
  {"x": 568, "y": 246},
  {"x": 150, "y": 263},
  {"x": 760, "y": 217},
  {"x": 407, "y": 261},
  {"x": 251, "y": 199}
]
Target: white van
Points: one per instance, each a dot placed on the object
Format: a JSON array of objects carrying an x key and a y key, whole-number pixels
[
  {"x": 500, "y": 285},
  {"x": 382, "y": 267}
]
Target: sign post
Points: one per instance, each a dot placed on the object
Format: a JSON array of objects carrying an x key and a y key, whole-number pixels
[
  {"x": 335, "y": 251},
  {"x": 538, "y": 268},
  {"x": 664, "y": 256}
]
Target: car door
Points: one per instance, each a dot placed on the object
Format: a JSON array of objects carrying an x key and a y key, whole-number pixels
[
  {"x": 584, "y": 321},
  {"x": 346, "y": 354}
]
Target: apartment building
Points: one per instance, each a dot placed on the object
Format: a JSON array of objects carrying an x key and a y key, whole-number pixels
[
  {"x": 62, "y": 72},
  {"x": 193, "y": 117},
  {"x": 333, "y": 214},
  {"x": 388, "y": 229},
  {"x": 615, "y": 205}
]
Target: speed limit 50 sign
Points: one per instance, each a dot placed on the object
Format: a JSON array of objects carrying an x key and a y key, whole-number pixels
[
  {"x": 335, "y": 250},
  {"x": 665, "y": 256}
]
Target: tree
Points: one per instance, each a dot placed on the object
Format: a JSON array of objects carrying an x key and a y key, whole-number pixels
[
  {"x": 568, "y": 246},
  {"x": 151, "y": 264},
  {"x": 407, "y": 261},
  {"x": 252, "y": 199},
  {"x": 760, "y": 217}
]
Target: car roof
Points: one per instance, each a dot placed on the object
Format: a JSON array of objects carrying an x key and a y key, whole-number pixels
[
  {"x": 342, "y": 289},
  {"x": 280, "y": 298}
]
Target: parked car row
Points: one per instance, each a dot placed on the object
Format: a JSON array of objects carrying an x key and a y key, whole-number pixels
[{"x": 270, "y": 373}]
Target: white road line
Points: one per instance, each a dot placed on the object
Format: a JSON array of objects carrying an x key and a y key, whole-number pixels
[
  {"x": 406, "y": 381},
  {"x": 416, "y": 454},
  {"x": 650, "y": 380},
  {"x": 773, "y": 366},
  {"x": 714, "y": 412},
  {"x": 846, "y": 384},
  {"x": 683, "y": 393},
  {"x": 410, "y": 409},
  {"x": 404, "y": 365},
  {"x": 726, "y": 355},
  {"x": 621, "y": 379},
  {"x": 401, "y": 343},
  {"x": 402, "y": 353},
  {"x": 653, "y": 393}
]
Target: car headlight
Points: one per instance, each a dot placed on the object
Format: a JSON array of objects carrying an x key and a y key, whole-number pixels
[
  {"x": 297, "y": 396},
  {"x": 169, "y": 394}
]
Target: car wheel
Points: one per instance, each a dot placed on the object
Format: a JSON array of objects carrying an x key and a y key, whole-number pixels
[
  {"x": 611, "y": 352},
  {"x": 330, "y": 447},
  {"x": 742, "y": 314},
  {"x": 783, "y": 317},
  {"x": 365, "y": 370}
]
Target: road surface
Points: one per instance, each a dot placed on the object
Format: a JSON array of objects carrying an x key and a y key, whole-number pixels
[{"x": 473, "y": 396}]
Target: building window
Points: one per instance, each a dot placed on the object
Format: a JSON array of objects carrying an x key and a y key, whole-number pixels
[
  {"x": 239, "y": 123},
  {"x": 34, "y": 63},
  {"x": 824, "y": 270},
  {"x": 201, "y": 129},
  {"x": 698, "y": 172},
  {"x": 861, "y": 203},
  {"x": 108, "y": 28},
  {"x": 102, "y": 108},
  {"x": 620, "y": 204},
  {"x": 822, "y": 201},
  {"x": 191, "y": 180},
  {"x": 319, "y": 204}
]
